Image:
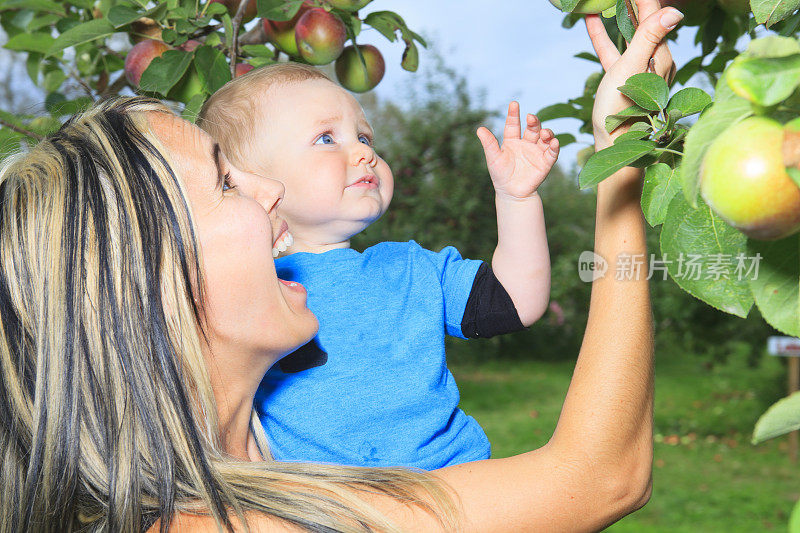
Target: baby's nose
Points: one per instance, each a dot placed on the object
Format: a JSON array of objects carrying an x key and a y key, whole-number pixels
[{"x": 363, "y": 153}]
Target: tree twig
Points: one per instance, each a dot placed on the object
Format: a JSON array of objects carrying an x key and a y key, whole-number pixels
[
  {"x": 21, "y": 130},
  {"x": 237, "y": 21}
]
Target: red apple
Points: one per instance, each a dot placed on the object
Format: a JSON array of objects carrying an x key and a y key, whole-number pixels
[
  {"x": 744, "y": 178},
  {"x": 242, "y": 68},
  {"x": 349, "y": 5},
  {"x": 320, "y": 36},
  {"x": 139, "y": 58},
  {"x": 353, "y": 75},
  {"x": 232, "y": 6},
  {"x": 281, "y": 32}
]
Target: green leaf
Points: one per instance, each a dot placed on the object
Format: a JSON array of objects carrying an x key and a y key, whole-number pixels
[
  {"x": 776, "y": 286},
  {"x": 557, "y": 111},
  {"x": 57, "y": 104},
  {"x": 165, "y": 71},
  {"x": 794, "y": 173},
  {"x": 53, "y": 80},
  {"x": 30, "y": 42},
  {"x": 213, "y": 68},
  {"x": 781, "y": 418},
  {"x": 624, "y": 22},
  {"x": 615, "y": 121},
  {"x": 661, "y": 184},
  {"x": 9, "y": 142},
  {"x": 768, "y": 12},
  {"x": 794, "y": 519},
  {"x": 568, "y": 5},
  {"x": 701, "y": 245},
  {"x": 765, "y": 81},
  {"x": 121, "y": 15},
  {"x": 647, "y": 90},
  {"x": 258, "y": 50},
  {"x": 192, "y": 109},
  {"x": 688, "y": 70},
  {"x": 608, "y": 161},
  {"x": 278, "y": 9},
  {"x": 588, "y": 57},
  {"x": 565, "y": 139},
  {"x": 726, "y": 111},
  {"x": 689, "y": 101},
  {"x": 634, "y": 135},
  {"x": 386, "y": 22},
  {"x": 35, "y": 5},
  {"x": 410, "y": 61},
  {"x": 82, "y": 33}
]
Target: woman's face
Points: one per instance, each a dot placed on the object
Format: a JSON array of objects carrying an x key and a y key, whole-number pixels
[{"x": 247, "y": 307}]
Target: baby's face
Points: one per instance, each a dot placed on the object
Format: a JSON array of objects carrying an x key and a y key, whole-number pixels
[{"x": 317, "y": 141}]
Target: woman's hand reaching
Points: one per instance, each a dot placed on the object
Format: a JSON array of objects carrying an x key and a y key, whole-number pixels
[{"x": 647, "y": 51}]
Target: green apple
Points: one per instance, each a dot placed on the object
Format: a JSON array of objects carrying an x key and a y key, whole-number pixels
[
  {"x": 588, "y": 6},
  {"x": 744, "y": 179},
  {"x": 351, "y": 72}
]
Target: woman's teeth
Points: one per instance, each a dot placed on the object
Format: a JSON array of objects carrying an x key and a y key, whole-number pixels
[{"x": 282, "y": 244}]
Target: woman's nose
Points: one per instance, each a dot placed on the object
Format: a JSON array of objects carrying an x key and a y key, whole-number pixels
[{"x": 362, "y": 153}]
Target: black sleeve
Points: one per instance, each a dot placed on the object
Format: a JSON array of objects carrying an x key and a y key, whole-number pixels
[{"x": 489, "y": 310}]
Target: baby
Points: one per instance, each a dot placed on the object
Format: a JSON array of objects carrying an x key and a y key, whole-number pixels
[{"x": 373, "y": 388}]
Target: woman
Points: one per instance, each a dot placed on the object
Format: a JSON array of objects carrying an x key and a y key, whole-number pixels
[{"x": 139, "y": 310}]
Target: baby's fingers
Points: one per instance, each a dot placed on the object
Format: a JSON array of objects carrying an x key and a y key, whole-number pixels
[
  {"x": 533, "y": 130},
  {"x": 490, "y": 145},
  {"x": 513, "y": 127}
]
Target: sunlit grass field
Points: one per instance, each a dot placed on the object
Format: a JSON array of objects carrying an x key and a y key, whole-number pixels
[{"x": 707, "y": 475}]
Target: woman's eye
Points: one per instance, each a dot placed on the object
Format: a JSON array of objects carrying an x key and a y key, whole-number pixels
[
  {"x": 364, "y": 139},
  {"x": 227, "y": 185},
  {"x": 325, "y": 138}
]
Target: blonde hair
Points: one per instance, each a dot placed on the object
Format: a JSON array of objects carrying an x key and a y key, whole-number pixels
[
  {"x": 230, "y": 115},
  {"x": 107, "y": 417}
]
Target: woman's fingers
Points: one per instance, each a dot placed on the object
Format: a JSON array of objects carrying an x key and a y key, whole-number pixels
[
  {"x": 645, "y": 8},
  {"x": 648, "y": 36},
  {"x": 603, "y": 46}
]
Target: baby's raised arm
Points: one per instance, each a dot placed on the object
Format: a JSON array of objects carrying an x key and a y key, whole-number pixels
[{"x": 521, "y": 261}]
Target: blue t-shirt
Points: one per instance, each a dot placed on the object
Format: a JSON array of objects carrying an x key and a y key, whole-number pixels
[{"x": 385, "y": 396}]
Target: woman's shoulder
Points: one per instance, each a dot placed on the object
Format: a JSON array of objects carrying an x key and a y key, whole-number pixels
[{"x": 257, "y": 522}]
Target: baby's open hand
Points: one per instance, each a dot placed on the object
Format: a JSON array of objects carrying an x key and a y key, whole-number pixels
[{"x": 521, "y": 164}]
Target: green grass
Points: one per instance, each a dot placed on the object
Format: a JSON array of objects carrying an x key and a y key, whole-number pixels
[{"x": 707, "y": 476}]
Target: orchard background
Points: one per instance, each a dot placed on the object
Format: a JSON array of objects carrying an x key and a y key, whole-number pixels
[{"x": 721, "y": 188}]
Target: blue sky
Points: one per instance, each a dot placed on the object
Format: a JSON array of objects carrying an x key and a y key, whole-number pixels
[{"x": 513, "y": 49}]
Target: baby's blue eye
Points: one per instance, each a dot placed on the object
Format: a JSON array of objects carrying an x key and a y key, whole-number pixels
[
  {"x": 364, "y": 139},
  {"x": 325, "y": 138}
]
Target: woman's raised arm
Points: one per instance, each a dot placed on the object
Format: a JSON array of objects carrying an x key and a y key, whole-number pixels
[{"x": 597, "y": 466}]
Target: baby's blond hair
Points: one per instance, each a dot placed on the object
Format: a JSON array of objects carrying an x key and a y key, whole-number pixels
[{"x": 229, "y": 117}]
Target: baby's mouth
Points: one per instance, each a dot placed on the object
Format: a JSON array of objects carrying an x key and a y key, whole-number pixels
[
  {"x": 369, "y": 181},
  {"x": 283, "y": 242}
]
